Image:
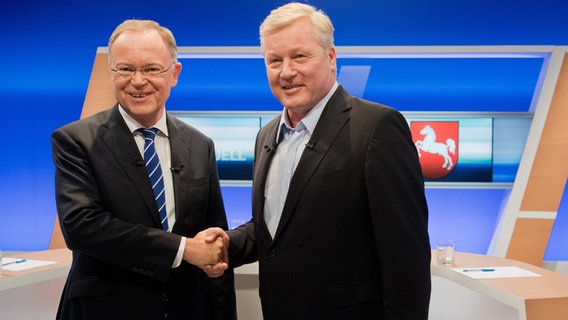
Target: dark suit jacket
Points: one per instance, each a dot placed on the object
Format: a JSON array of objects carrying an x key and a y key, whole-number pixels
[
  {"x": 352, "y": 242},
  {"x": 121, "y": 257}
]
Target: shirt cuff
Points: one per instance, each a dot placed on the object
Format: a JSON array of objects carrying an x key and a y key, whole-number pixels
[{"x": 179, "y": 255}]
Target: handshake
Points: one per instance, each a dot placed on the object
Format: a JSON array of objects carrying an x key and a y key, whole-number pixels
[{"x": 208, "y": 250}]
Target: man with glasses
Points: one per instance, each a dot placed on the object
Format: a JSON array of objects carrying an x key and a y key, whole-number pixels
[{"x": 134, "y": 188}]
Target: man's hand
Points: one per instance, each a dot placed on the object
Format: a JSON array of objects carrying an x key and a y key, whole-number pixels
[
  {"x": 212, "y": 234},
  {"x": 208, "y": 251}
]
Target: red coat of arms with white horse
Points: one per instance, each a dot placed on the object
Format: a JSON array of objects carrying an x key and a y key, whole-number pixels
[{"x": 436, "y": 143}]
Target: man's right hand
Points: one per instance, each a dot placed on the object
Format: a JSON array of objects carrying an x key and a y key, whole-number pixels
[{"x": 208, "y": 250}]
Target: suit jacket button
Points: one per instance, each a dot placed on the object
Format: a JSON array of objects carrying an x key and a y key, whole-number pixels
[
  {"x": 164, "y": 297},
  {"x": 272, "y": 254}
]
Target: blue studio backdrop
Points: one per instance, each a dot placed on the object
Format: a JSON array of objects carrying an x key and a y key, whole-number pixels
[{"x": 48, "y": 48}]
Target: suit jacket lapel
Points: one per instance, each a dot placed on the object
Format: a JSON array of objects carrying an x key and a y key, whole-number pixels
[
  {"x": 122, "y": 146},
  {"x": 332, "y": 120},
  {"x": 179, "y": 146}
]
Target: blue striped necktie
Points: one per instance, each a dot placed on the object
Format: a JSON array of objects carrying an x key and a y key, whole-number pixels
[{"x": 155, "y": 172}]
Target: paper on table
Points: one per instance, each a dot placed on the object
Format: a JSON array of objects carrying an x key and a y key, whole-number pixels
[
  {"x": 28, "y": 264},
  {"x": 495, "y": 272}
]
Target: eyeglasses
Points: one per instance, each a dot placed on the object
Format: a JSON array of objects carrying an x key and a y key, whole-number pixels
[{"x": 149, "y": 71}]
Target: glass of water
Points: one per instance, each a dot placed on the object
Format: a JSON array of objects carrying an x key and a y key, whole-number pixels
[{"x": 445, "y": 252}]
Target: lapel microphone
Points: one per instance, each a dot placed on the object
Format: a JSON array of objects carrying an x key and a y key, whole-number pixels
[
  {"x": 270, "y": 148},
  {"x": 176, "y": 169},
  {"x": 310, "y": 145},
  {"x": 139, "y": 162}
]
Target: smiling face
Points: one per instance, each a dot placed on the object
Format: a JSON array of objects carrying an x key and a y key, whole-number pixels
[
  {"x": 300, "y": 71},
  {"x": 142, "y": 96}
]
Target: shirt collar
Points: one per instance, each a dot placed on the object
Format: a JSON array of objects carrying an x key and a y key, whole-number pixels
[
  {"x": 311, "y": 119},
  {"x": 133, "y": 125}
]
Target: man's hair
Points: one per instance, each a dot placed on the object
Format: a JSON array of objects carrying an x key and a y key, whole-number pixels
[
  {"x": 288, "y": 13},
  {"x": 134, "y": 24}
]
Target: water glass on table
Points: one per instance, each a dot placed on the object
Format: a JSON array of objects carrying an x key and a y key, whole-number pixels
[{"x": 445, "y": 252}]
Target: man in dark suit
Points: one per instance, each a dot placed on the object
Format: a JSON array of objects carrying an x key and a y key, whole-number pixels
[
  {"x": 340, "y": 219},
  {"x": 128, "y": 262}
]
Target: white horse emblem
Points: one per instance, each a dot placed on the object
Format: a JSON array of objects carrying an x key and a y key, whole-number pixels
[{"x": 430, "y": 145}]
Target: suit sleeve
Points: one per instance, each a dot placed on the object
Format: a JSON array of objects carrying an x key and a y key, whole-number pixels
[
  {"x": 242, "y": 249},
  {"x": 400, "y": 223},
  {"x": 88, "y": 226}
]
